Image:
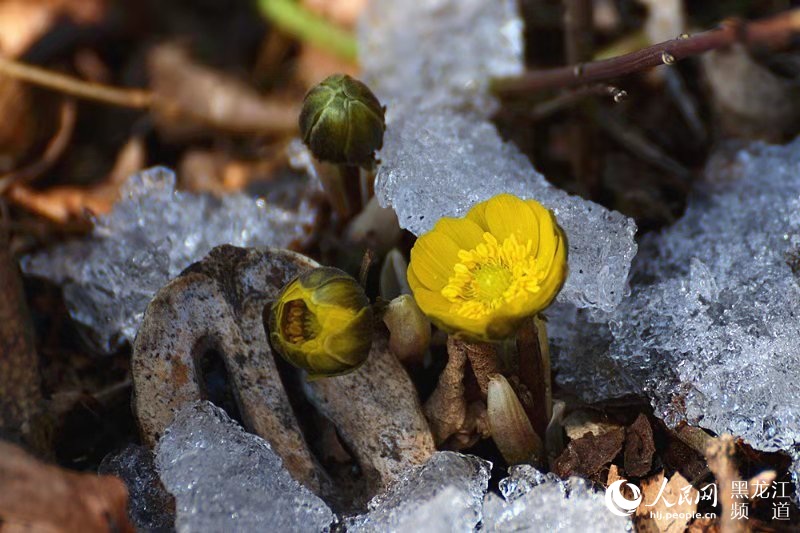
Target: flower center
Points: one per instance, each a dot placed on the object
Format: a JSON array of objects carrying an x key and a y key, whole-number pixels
[
  {"x": 299, "y": 323},
  {"x": 491, "y": 281},
  {"x": 492, "y": 275}
]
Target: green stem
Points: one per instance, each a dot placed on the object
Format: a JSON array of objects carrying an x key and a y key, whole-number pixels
[{"x": 297, "y": 21}]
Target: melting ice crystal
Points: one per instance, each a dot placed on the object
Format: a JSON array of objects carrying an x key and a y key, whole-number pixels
[
  {"x": 152, "y": 234},
  {"x": 225, "y": 479},
  {"x": 711, "y": 331},
  {"x": 533, "y": 501},
  {"x": 445, "y": 495}
]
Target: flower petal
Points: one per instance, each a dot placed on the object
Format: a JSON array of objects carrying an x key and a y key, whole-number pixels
[
  {"x": 556, "y": 275},
  {"x": 464, "y": 232},
  {"x": 551, "y": 238},
  {"x": 507, "y": 215},
  {"x": 413, "y": 281},
  {"x": 432, "y": 258},
  {"x": 545, "y": 218},
  {"x": 477, "y": 214},
  {"x": 438, "y": 309}
]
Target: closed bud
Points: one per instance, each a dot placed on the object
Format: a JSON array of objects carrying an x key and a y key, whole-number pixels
[
  {"x": 409, "y": 329},
  {"x": 511, "y": 429},
  {"x": 342, "y": 122},
  {"x": 321, "y": 322}
]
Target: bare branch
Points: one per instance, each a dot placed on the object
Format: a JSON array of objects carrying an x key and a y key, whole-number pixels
[{"x": 773, "y": 33}]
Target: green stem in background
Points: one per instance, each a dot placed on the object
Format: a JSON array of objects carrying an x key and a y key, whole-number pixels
[{"x": 297, "y": 21}]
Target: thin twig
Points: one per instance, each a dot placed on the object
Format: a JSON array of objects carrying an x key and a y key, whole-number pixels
[
  {"x": 773, "y": 32},
  {"x": 579, "y": 42},
  {"x": 134, "y": 98}
]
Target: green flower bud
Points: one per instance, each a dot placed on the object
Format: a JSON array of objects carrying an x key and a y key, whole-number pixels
[
  {"x": 342, "y": 122},
  {"x": 321, "y": 322}
]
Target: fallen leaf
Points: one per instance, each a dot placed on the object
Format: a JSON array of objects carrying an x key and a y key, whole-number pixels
[
  {"x": 62, "y": 204},
  {"x": 35, "y": 496},
  {"x": 23, "y": 22},
  {"x": 639, "y": 447},
  {"x": 195, "y": 98},
  {"x": 613, "y": 475},
  {"x": 588, "y": 455}
]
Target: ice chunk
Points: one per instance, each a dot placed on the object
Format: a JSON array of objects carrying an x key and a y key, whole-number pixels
[
  {"x": 533, "y": 501},
  {"x": 430, "y": 61},
  {"x": 711, "y": 331},
  {"x": 150, "y": 505},
  {"x": 579, "y": 344},
  {"x": 444, "y": 495},
  {"x": 439, "y": 53},
  {"x": 152, "y": 234},
  {"x": 225, "y": 479}
]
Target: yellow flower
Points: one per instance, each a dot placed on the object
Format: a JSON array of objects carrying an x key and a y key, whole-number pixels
[
  {"x": 481, "y": 275},
  {"x": 321, "y": 322}
]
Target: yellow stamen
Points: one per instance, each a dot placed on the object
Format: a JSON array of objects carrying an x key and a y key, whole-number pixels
[{"x": 492, "y": 275}]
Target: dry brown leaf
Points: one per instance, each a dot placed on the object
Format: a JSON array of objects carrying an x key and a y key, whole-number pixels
[
  {"x": 668, "y": 511},
  {"x": 639, "y": 447},
  {"x": 62, "y": 204},
  {"x": 23, "y": 22},
  {"x": 38, "y": 497},
  {"x": 588, "y": 455},
  {"x": 216, "y": 172},
  {"x": 195, "y": 98},
  {"x": 613, "y": 475}
]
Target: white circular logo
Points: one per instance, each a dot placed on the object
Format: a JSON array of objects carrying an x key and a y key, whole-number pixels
[{"x": 619, "y": 504}]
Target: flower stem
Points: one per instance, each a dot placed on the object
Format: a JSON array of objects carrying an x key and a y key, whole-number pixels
[
  {"x": 534, "y": 372},
  {"x": 293, "y": 19}
]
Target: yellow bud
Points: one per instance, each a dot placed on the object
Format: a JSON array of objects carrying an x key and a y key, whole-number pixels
[{"x": 321, "y": 322}]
